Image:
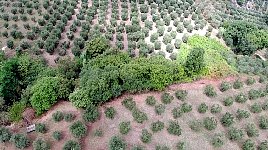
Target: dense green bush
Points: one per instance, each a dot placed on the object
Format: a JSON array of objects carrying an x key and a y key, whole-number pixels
[
  {"x": 181, "y": 94},
  {"x": 40, "y": 144},
  {"x": 157, "y": 126},
  {"x": 263, "y": 122},
  {"x": 227, "y": 119},
  {"x": 210, "y": 123},
  {"x": 57, "y": 135},
  {"x": 248, "y": 145},
  {"x": 16, "y": 110},
  {"x": 69, "y": 117},
  {"x": 146, "y": 136},
  {"x": 78, "y": 129},
  {"x": 117, "y": 143},
  {"x": 110, "y": 112},
  {"x": 235, "y": 134},
  {"x": 202, "y": 108},
  {"x": 254, "y": 94},
  {"x": 196, "y": 125},
  {"x": 177, "y": 112},
  {"x": 40, "y": 127},
  {"x": 162, "y": 147},
  {"x": 228, "y": 101},
  {"x": 150, "y": 100},
  {"x": 5, "y": 134},
  {"x": 215, "y": 108},
  {"x": 256, "y": 108},
  {"x": 20, "y": 141},
  {"x": 241, "y": 98},
  {"x": 96, "y": 47},
  {"x": 252, "y": 130},
  {"x": 91, "y": 113},
  {"x": 263, "y": 145},
  {"x": 71, "y": 145},
  {"x": 210, "y": 91},
  {"x": 217, "y": 140},
  {"x": 129, "y": 103},
  {"x": 237, "y": 84},
  {"x": 166, "y": 98},
  {"x": 160, "y": 109},
  {"x": 242, "y": 114},
  {"x": 58, "y": 116},
  {"x": 174, "y": 128},
  {"x": 124, "y": 127},
  {"x": 139, "y": 116},
  {"x": 225, "y": 86},
  {"x": 185, "y": 108},
  {"x": 250, "y": 81},
  {"x": 181, "y": 146}
]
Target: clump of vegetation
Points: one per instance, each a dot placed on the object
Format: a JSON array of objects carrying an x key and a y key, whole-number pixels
[
  {"x": 181, "y": 94},
  {"x": 235, "y": 134},
  {"x": 40, "y": 127},
  {"x": 150, "y": 100},
  {"x": 254, "y": 94},
  {"x": 5, "y": 134},
  {"x": 91, "y": 113},
  {"x": 241, "y": 98},
  {"x": 166, "y": 98},
  {"x": 162, "y": 147},
  {"x": 160, "y": 109},
  {"x": 124, "y": 127},
  {"x": 138, "y": 147},
  {"x": 129, "y": 103},
  {"x": 217, "y": 140},
  {"x": 228, "y": 101},
  {"x": 157, "y": 126},
  {"x": 110, "y": 112},
  {"x": 210, "y": 91},
  {"x": 174, "y": 128},
  {"x": 20, "y": 141},
  {"x": 242, "y": 114},
  {"x": 263, "y": 145},
  {"x": 57, "y": 135},
  {"x": 181, "y": 146},
  {"x": 117, "y": 143},
  {"x": 58, "y": 116},
  {"x": 177, "y": 112},
  {"x": 98, "y": 133},
  {"x": 202, "y": 108},
  {"x": 225, "y": 86},
  {"x": 73, "y": 145},
  {"x": 263, "y": 122},
  {"x": 185, "y": 108},
  {"x": 250, "y": 81},
  {"x": 262, "y": 79},
  {"x": 215, "y": 108},
  {"x": 210, "y": 123},
  {"x": 78, "y": 129},
  {"x": 196, "y": 125},
  {"x": 146, "y": 136},
  {"x": 227, "y": 119},
  {"x": 265, "y": 105},
  {"x": 256, "y": 108},
  {"x": 252, "y": 130},
  {"x": 40, "y": 144},
  {"x": 238, "y": 84},
  {"x": 139, "y": 116},
  {"x": 248, "y": 145},
  {"x": 69, "y": 117}
]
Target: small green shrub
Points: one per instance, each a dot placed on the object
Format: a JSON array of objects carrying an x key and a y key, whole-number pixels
[
  {"x": 225, "y": 86},
  {"x": 181, "y": 146},
  {"x": 71, "y": 145},
  {"x": 263, "y": 122},
  {"x": 228, "y": 101},
  {"x": 40, "y": 144},
  {"x": 150, "y": 100},
  {"x": 20, "y": 141},
  {"x": 185, "y": 108},
  {"x": 16, "y": 110},
  {"x": 227, "y": 119},
  {"x": 254, "y": 94},
  {"x": 57, "y": 116},
  {"x": 252, "y": 130},
  {"x": 181, "y": 94},
  {"x": 210, "y": 123},
  {"x": 91, "y": 113},
  {"x": 139, "y": 116},
  {"x": 157, "y": 126},
  {"x": 124, "y": 127},
  {"x": 249, "y": 145},
  {"x": 196, "y": 125},
  {"x": 210, "y": 91},
  {"x": 238, "y": 84},
  {"x": 78, "y": 129},
  {"x": 177, "y": 112},
  {"x": 110, "y": 112},
  {"x": 117, "y": 143},
  {"x": 162, "y": 147},
  {"x": 40, "y": 127},
  {"x": 217, "y": 140},
  {"x": 242, "y": 114},
  {"x": 57, "y": 135},
  {"x": 235, "y": 134},
  {"x": 262, "y": 79},
  {"x": 98, "y": 133},
  {"x": 174, "y": 128},
  {"x": 202, "y": 108},
  {"x": 166, "y": 98},
  {"x": 256, "y": 108},
  {"x": 250, "y": 81},
  {"x": 160, "y": 109},
  {"x": 263, "y": 145},
  {"x": 138, "y": 147},
  {"x": 129, "y": 103},
  {"x": 265, "y": 105},
  {"x": 69, "y": 117},
  {"x": 146, "y": 136},
  {"x": 241, "y": 98},
  {"x": 215, "y": 108},
  {"x": 5, "y": 134}
]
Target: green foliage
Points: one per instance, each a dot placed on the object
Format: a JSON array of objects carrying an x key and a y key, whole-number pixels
[
  {"x": 57, "y": 135},
  {"x": 16, "y": 110},
  {"x": 242, "y": 114},
  {"x": 263, "y": 145},
  {"x": 210, "y": 123},
  {"x": 228, "y": 101},
  {"x": 117, "y": 143},
  {"x": 139, "y": 116},
  {"x": 110, "y": 112},
  {"x": 166, "y": 98},
  {"x": 210, "y": 91},
  {"x": 248, "y": 145},
  {"x": 40, "y": 144},
  {"x": 146, "y": 136},
  {"x": 58, "y": 116},
  {"x": 124, "y": 127},
  {"x": 194, "y": 64},
  {"x": 185, "y": 108},
  {"x": 241, "y": 98},
  {"x": 174, "y": 128},
  {"x": 256, "y": 108},
  {"x": 237, "y": 84},
  {"x": 71, "y": 145},
  {"x": 227, "y": 119},
  {"x": 78, "y": 129},
  {"x": 150, "y": 100},
  {"x": 196, "y": 125},
  {"x": 46, "y": 91},
  {"x": 162, "y": 147},
  {"x": 202, "y": 108},
  {"x": 157, "y": 126},
  {"x": 181, "y": 94},
  {"x": 40, "y": 127},
  {"x": 5, "y": 134},
  {"x": 252, "y": 130},
  {"x": 263, "y": 122},
  {"x": 69, "y": 117},
  {"x": 250, "y": 81},
  {"x": 96, "y": 47},
  {"x": 129, "y": 103},
  {"x": 98, "y": 133},
  {"x": 265, "y": 105},
  {"x": 254, "y": 94},
  {"x": 181, "y": 146},
  {"x": 160, "y": 109},
  {"x": 225, "y": 86},
  {"x": 235, "y": 134},
  {"x": 91, "y": 113},
  {"x": 215, "y": 108},
  {"x": 177, "y": 112},
  {"x": 20, "y": 141},
  {"x": 217, "y": 140}
]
